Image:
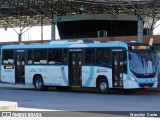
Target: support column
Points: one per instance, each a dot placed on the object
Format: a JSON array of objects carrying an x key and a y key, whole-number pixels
[
  {"x": 53, "y": 31},
  {"x": 20, "y": 37},
  {"x": 42, "y": 27},
  {"x": 140, "y": 29}
]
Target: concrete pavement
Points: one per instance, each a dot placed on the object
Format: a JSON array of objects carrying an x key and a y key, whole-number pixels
[
  {"x": 8, "y": 106},
  {"x": 5, "y": 85},
  {"x": 13, "y": 106}
]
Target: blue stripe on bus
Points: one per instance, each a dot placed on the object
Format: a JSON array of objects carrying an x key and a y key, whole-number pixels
[
  {"x": 64, "y": 75},
  {"x": 90, "y": 77},
  {"x": 36, "y": 46}
]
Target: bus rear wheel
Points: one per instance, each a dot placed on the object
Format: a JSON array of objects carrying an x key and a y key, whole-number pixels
[
  {"x": 103, "y": 85},
  {"x": 38, "y": 83}
]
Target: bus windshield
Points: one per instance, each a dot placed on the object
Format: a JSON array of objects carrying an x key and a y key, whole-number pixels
[{"x": 143, "y": 62}]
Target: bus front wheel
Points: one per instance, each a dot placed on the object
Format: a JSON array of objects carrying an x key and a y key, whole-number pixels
[
  {"x": 103, "y": 85},
  {"x": 38, "y": 83}
]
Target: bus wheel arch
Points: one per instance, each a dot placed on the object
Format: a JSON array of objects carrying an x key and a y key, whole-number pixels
[
  {"x": 102, "y": 84},
  {"x": 38, "y": 82}
]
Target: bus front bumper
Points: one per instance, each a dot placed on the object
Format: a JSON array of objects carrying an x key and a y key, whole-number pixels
[{"x": 128, "y": 84}]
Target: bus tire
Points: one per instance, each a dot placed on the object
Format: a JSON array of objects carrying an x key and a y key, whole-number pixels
[
  {"x": 38, "y": 83},
  {"x": 102, "y": 85}
]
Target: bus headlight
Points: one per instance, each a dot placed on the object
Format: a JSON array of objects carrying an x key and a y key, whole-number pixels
[
  {"x": 132, "y": 78},
  {"x": 156, "y": 79}
]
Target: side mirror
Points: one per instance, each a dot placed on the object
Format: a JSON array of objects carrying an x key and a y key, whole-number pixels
[{"x": 130, "y": 57}]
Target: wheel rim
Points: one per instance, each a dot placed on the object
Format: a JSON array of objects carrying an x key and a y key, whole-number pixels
[
  {"x": 39, "y": 84},
  {"x": 103, "y": 86}
]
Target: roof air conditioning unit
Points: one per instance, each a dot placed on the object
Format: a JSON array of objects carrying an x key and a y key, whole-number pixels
[{"x": 102, "y": 33}]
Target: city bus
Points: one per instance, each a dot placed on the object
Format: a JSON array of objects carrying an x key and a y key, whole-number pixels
[{"x": 80, "y": 63}]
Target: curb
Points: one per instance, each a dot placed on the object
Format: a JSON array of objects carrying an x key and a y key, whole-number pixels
[
  {"x": 8, "y": 106},
  {"x": 5, "y": 85}
]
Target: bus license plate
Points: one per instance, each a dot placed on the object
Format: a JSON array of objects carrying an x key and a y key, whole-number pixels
[{"x": 146, "y": 86}]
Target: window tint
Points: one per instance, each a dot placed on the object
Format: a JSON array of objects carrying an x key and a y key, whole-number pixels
[
  {"x": 30, "y": 57},
  {"x": 65, "y": 59},
  {"x": 55, "y": 56},
  {"x": 40, "y": 56},
  {"x": 20, "y": 58},
  {"x": 103, "y": 56},
  {"x": 8, "y": 57},
  {"x": 89, "y": 56}
]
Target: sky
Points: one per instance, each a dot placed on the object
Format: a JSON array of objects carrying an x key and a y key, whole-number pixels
[
  {"x": 34, "y": 33},
  {"x": 157, "y": 29}
]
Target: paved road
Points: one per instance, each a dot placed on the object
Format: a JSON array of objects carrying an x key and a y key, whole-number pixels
[{"x": 76, "y": 100}]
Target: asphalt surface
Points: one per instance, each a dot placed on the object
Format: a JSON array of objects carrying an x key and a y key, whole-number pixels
[{"x": 82, "y": 99}]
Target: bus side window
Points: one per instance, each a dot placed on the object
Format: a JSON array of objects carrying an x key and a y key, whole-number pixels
[
  {"x": 103, "y": 56},
  {"x": 55, "y": 56},
  {"x": 40, "y": 56},
  {"x": 8, "y": 56},
  {"x": 89, "y": 56},
  {"x": 65, "y": 59},
  {"x": 30, "y": 57}
]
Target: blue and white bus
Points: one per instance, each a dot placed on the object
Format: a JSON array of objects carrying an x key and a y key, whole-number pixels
[{"x": 65, "y": 64}]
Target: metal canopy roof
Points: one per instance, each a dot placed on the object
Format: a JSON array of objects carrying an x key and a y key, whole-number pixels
[{"x": 24, "y": 13}]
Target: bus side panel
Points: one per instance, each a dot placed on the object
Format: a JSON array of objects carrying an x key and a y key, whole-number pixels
[
  {"x": 58, "y": 75},
  {"x": 90, "y": 74},
  {"x": 8, "y": 74},
  {"x": 29, "y": 73},
  {"x": 52, "y": 75}
]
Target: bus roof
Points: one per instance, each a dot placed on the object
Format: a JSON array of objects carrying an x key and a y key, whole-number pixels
[
  {"x": 72, "y": 41},
  {"x": 68, "y": 45}
]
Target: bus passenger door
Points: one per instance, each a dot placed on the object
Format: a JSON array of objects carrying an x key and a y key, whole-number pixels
[
  {"x": 75, "y": 64},
  {"x": 118, "y": 68},
  {"x": 20, "y": 67}
]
